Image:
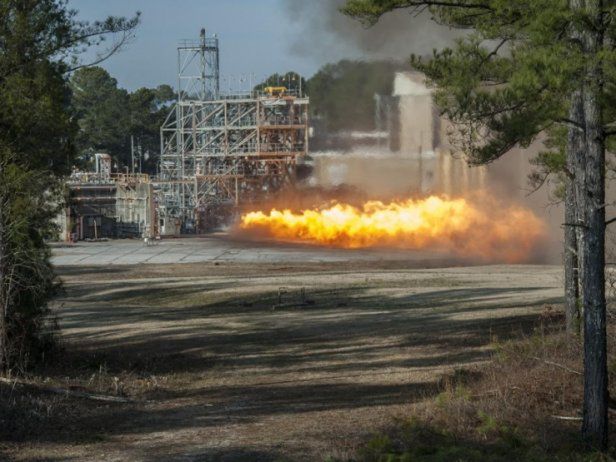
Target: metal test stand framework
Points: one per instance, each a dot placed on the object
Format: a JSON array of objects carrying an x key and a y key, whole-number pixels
[{"x": 220, "y": 151}]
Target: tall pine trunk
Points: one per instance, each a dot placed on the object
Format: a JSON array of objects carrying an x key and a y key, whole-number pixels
[
  {"x": 592, "y": 209},
  {"x": 593, "y": 281},
  {"x": 575, "y": 148}
]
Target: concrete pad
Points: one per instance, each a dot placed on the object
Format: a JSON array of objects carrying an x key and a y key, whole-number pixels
[{"x": 218, "y": 248}]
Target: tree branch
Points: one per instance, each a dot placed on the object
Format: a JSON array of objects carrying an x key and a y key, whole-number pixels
[
  {"x": 372, "y": 17},
  {"x": 125, "y": 39},
  {"x": 575, "y": 225}
]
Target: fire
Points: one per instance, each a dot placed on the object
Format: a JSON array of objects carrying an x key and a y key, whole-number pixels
[{"x": 490, "y": 231}]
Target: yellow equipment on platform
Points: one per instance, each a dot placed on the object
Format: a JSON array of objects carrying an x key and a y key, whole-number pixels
[{"x": 275, "y": 91}]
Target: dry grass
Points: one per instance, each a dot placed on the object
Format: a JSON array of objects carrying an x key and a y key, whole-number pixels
[
  {"x": 33, "y": 404},
  {"x": 525, "y": 405},
  {"x": 217, "y": 374}
]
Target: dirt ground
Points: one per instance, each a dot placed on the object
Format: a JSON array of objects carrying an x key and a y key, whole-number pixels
[{"x": 262, "y": 361}]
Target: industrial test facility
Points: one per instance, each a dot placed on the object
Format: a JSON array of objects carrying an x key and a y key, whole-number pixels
[{"x": 219, "y": 151}]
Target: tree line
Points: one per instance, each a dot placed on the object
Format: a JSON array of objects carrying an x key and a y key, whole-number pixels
[{"x": 113, "y": 120}]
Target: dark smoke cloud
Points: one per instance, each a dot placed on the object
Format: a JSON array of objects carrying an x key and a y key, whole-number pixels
[{"x": 322, "y": 31}]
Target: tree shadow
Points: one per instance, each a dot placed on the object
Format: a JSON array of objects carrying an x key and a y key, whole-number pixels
[{"x": 241, "y": 361}]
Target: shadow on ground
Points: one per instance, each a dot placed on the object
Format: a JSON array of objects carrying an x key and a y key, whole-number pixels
[{"x": 233, "y": 361}]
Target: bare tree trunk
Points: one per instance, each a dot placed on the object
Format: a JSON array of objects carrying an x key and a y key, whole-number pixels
[
  {"x": 575, "y": 148},
  {"x": 592, "y": 209},
  {"x": 572, "y": 305},
  {"x": 595, "y": 351}
]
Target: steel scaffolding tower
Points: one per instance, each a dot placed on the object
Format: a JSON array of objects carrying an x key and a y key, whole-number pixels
[
  {"x": 198, "y": 69},
  {"x": 219, "y": 151}
]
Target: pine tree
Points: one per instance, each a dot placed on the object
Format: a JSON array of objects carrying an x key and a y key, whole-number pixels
[
  {"x": 107, "y": 117},
  {"x": 40, "y": 41},
  {"x": 528, "y": 67}
]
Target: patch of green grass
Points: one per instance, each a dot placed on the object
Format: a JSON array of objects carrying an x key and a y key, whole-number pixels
[
  {"x": 421, "y": 443},
  {"x": 459, "y": 392}
]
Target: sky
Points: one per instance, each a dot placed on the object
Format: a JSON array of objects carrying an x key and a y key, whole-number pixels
[{"x": 257, "y": 37}]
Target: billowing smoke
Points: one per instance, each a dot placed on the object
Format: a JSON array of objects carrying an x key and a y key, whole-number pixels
[
  {"x": 418, "y": 167},
  {"x": 322, "y": 31}
]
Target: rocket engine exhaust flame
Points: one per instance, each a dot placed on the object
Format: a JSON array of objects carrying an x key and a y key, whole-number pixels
[{"x": 485, "y": 230}]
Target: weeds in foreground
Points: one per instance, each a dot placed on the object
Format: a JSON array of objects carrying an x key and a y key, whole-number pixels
[{"x": 524, "y": 406}]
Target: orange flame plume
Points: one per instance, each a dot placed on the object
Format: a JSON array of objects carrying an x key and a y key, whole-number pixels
[{"x": 491, "y": 232}]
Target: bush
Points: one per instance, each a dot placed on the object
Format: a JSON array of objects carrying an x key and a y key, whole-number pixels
[
  {"x": 525, "y": 406},
  {"x": 27, "y": 280}
]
